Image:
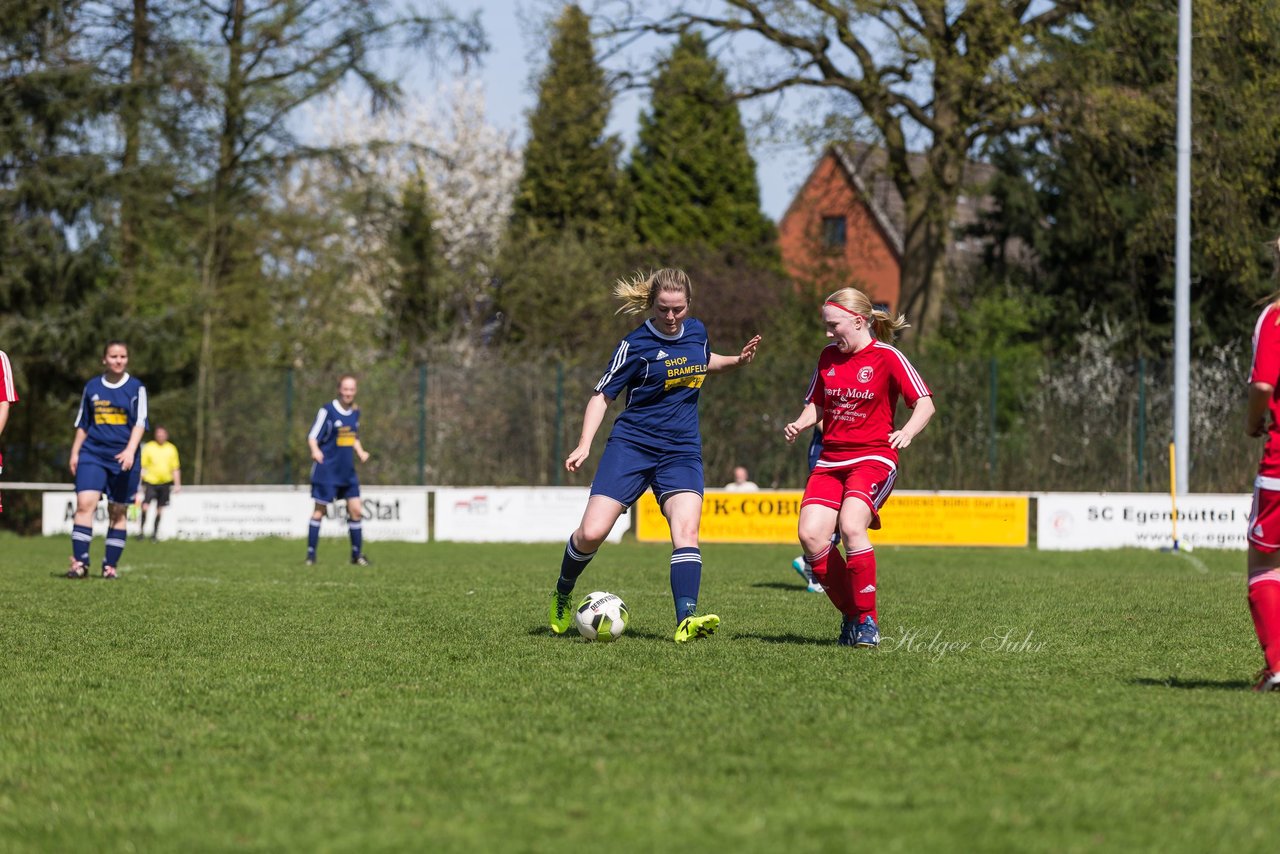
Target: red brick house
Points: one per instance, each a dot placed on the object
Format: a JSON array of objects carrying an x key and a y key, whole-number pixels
[{"x": 845, "y": 225}]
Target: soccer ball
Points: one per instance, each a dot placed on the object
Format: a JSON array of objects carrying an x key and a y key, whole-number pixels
[{"x": 601, "y": 616}]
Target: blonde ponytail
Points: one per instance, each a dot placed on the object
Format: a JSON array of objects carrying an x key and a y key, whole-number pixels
[
  {"x": 884, "y": 326},
  {"x": 638, "y": 293}
]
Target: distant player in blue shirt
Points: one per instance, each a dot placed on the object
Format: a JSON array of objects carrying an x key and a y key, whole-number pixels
[
  {"x": 335, "y": 445},
  {"x": 109, "y": 426},
  {"x": 655, "y": 442}
]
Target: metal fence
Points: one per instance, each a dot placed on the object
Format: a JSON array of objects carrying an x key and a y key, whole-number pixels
[{"x": 1090, "y": 424}]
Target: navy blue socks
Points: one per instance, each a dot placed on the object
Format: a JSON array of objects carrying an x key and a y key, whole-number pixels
[
  {"x": 81, "y": 536},
  {"x": 686, "y": 577},
  {"x": 116, "y": 538},
  {"x": 356, "y": 532},
  {"x": 571, "y": 566}
]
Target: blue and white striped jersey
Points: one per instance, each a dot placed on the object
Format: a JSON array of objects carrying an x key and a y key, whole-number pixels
[
  {"x": 108, "y": 413},
  {"x": 335, "y": 431},
  {"x": 662, "y": 375}
]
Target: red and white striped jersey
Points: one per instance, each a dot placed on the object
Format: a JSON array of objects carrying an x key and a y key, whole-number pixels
[
  {"x": 7, "y": 391},
  {"x": 856, "y": 394},
  {"x": 1266, "y": 369}
]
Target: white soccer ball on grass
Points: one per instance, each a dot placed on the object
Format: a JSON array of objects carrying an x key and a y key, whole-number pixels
[{"x": 601, "y": 616}]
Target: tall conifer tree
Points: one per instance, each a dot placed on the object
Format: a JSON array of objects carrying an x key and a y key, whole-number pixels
[
  {"x": 417, "y": 302},
  {"x": 692, "y": 176},
  {"x": 571, "y": 182},
  {"x": 55, "y": 308}
]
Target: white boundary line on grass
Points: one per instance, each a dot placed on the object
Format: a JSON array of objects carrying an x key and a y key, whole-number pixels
[
  {"x": 1195, "y": 561},
  {"x": 210, "y": 580}
]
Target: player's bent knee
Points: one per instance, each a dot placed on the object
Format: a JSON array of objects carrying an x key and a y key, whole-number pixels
[
  {"x": 853, "y": 533},
  {"x": 813, "y": 545},
  {"x": 685, "y": 529},
  {"x": 588, "y": 540},
  {"x": 813, "y": 538}
]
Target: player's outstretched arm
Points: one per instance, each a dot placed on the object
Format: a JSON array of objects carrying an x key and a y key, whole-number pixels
[
  {"x": 808, "y": 417},
  {"x": 361, "y": 452},
  {"x": 920, "y": 416},
  {"x": 720, "y": 363},
  {"x": 591, "y": 420}
]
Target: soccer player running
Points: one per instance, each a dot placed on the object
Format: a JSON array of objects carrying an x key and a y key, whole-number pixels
[
  {"x": 1263, "y": 559},
  {"x": 8, "y": 395},
  {"x": 161, "y": 477},
  {"x": 109, "y": 426},
  {"x": 853, "y": 393},
  {"x": 335, "y": 443},
  {"x": 654, "y": 443}
]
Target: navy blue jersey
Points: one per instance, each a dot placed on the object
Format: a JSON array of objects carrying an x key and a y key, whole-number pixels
[
  {"x": 335, "y": 431},
  {"x": 108, "y": 413},
  {"x": 815, "y": 448},
  {"x": 662, "y": 375}
]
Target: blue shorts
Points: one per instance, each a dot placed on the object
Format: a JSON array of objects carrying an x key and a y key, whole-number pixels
[
  {"x": 626, "y": 469},
  {"x": 324, "y": 493},
  {"x": 815, "y": 448},
  {"x": 93, "y": 474}
]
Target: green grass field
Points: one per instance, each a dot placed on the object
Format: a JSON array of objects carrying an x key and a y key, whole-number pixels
[{"x": 222, "y": 696}]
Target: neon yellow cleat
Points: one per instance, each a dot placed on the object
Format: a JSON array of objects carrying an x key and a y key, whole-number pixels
[
  {"x": 560, "y": 614},
  {"x": 694, "y": 626}
]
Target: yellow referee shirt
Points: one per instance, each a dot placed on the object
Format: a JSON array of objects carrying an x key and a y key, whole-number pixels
[{"x": 159, "y": 462}]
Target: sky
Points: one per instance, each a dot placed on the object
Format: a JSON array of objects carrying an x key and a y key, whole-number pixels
[{"x": 517, "y": 49}]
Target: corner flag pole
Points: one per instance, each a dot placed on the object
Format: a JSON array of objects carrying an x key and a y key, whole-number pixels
[{"x": 1173, "y": 491}]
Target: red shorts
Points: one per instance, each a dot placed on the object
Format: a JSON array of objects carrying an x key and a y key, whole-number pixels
[
  {"x": 869, "y": 480},
  {"x": 1264, "y": 520}
]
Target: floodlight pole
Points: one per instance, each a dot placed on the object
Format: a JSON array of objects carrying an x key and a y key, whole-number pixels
[{"x": 1182, "y": 277}]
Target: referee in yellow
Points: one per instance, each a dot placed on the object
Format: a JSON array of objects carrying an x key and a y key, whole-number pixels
[{"x": 161, "y": 475}]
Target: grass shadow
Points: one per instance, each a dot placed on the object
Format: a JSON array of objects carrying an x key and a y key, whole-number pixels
[
  {"x": 631, "y": 632},
  {"x": 795, "y": 639},
  {"x": 1194, "y": 684},
  {"x": 779, "y": 585}
]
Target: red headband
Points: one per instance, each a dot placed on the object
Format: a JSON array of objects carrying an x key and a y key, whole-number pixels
[{"x": 851, "y": 311}]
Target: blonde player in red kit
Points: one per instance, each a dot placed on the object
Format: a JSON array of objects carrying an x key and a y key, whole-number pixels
[
  {"x": 854, "y": 393},
  {"x": 1264, "y": 521}
]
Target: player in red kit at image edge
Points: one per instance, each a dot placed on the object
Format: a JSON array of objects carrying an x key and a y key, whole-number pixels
[
  {"x": 1263, "y": 561},
  {"x": 8, "y": 395}
]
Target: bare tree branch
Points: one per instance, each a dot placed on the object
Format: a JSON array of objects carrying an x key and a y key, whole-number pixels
[{"x": 956, "y": 80}]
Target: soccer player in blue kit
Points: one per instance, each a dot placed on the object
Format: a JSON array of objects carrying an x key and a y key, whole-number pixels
[
  {"x": 654, "y": 443},
  {"x": 335, "y": 443},
  {"x": 109, "y": 425}
]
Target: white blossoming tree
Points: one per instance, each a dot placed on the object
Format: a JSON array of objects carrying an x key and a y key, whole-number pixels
[{"x": 370, "y": 193}]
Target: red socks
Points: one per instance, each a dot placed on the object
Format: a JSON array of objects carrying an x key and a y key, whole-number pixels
[
  {"x": 1264, "y": 605},
  {"x": 829, "y": 568},
  {"x": 851, "y": 583},
  {"x": 862, "y": 583}
]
